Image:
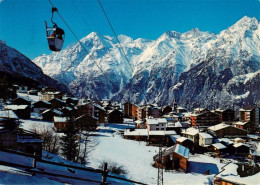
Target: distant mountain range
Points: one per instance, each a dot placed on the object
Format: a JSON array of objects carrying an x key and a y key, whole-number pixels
[
  {"x": 15, "y": 67},
  {"x": 196, "y": 68}
]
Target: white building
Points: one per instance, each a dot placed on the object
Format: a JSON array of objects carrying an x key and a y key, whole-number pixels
[
  {"x": 156, "y": 124},
  {"x": 205, "y": 139}
]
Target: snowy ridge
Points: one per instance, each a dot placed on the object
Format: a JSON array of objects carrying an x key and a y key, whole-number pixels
[{"x": 162, "y": 68}]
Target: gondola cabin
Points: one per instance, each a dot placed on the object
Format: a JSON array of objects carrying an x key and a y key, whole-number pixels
[{"x": 55, "y": 37}]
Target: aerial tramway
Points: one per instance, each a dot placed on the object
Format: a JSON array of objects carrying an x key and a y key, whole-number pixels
[{"x": 55, "y": 35}]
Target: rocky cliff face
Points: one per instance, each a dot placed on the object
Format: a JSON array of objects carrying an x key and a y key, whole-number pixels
[
  {"x": 16, "y": 64},
  {"x": 196, "y": 68}
]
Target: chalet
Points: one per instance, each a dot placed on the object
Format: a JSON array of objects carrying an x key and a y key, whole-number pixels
[
  {"x": 60, "y": 123},
  {"x": 22, "y": 111},
  {"x": 218, "y": 148},
  {"x": 48, "y": 114},
  {"x": 205, "y": 139},
  {"x": 49, "y": 95},
  {"x": 205, "y": 119},
  {"x": 224, "y": 181},
  {"x": 160, "y": 136},
  {"x": 241, "y": 149},
  {"x": 175, "y": 157},
  {"x": 68, "y": 111},
  {"x": 224, "y": 130},
  {"x": 184, "y": 141},
  {"x": 41, "y": 105},
  {"x": 166, "y": 109},
  {"x": 176, "y": 126},
  {"x": 192, "y": 133},
  {"x": 86, "y": 122},
  {"x": 57, "y": 103},
  {"x": 128, "y": 109},
  {"x": 115, "y": 116},
  {"x": 249, "y": 113},
  {"x": 136, "y": 134},
  {"x": 21, "y": 140},
  {"x": 8, "y": 119},
  {"x": 156, "y": 124},
  {"x": 99, "y": 112},
  {"x": 227, "y": 115},
  {"x": 249, "y": 126},
  {"x": 21, "y": 101}
]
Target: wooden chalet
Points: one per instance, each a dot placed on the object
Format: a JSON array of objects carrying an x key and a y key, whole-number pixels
[
  {"x": 86, "y": 122},
  {"x": 21, "y": 140},
  {"x": 72, "y": 100},
  {"x": 188, "y": 143},
  {"x": 247, "y": 125},
  {"x": 57, "y": 103},
  {"x": 192, "y": 133},
  {"x": 41, "y": 105},
  {"x": 180, "y": 110},
  {"x": 175, "y": 157},
  {"x": 21, "y": 101},
  {"x": 227, "y": 115},
  {"x": 48, "y": 115},
  {"x": 224, "y": 130},
  {"x": 99, "y": 112},
  {"x": 22, "y": 111},
  {"x": 218, "y": 148},
  {"x": 223, "y": 181},
  {"x": 205, "y": 119},
  {"x": 60, "y": 123},
  {"x": 241, "y": 149},
  {"x": 115, "y": 116},
  {"x": 8, "y": 119}
]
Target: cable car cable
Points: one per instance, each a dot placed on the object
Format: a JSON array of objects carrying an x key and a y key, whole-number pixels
[
  {"x": 115, "y": 34},
  {"x": 82, "y": 45}
]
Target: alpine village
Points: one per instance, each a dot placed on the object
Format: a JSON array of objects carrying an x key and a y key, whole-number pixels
[{"x": 182, "y": 109}]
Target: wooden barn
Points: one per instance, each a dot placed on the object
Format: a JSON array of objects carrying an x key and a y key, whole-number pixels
[
  {"x": 21, "y": 101},
  {"x": 115, "y": 116},
  {"x": 48, "y": 115},
  {"x": 175, "y": 157},
  {"x": 218, "y": 148},
  {"x": 60, "y": 123},
  {"x": 22, "y": 111},
  {"x": 224, "y": 130},
  {"x": 21, "y": 140}
]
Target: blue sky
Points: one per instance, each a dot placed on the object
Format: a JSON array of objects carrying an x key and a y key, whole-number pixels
[{"x": 22, "y": 21}]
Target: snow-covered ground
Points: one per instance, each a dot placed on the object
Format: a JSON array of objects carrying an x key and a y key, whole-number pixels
[{"x": 137, "y": 159}]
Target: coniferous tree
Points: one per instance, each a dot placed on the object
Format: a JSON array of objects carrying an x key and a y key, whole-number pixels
[{"x": 69, "y": 142}]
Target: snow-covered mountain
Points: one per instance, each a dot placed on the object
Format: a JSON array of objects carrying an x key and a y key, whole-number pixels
[
  {"x": 184, "y": 66},
  {"x": 17, "y": 65}
]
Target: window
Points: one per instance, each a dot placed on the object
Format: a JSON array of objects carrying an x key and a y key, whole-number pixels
[{"x": 157, "y": 128}]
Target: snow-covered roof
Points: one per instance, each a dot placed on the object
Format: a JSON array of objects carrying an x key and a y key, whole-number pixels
[
  {"x": 218, "y": 127},
  {"x": 179, "y": 149},
  {"x": 138, "y": 121},
  {"x": 54, "y": 110},
  {"x": 176, "y": 124},
  {"x": 46, "y": 102},
  {"x": 240, "y": 144},
  {"x": 15, "y": 107},
  {"x": 237, "y": 139},
  {"x": 161, "y": 132},
  {"x": 136, "y": 132},
  {"x": 219, "y": 146},
  {"x": 155, "y": 121},
  {"x": 60, "y": 119},
  {"x": 181, "y": 139},
  {"x": 205, "y": 135},
  {"x": 174, "y": 137},
  {"x": 98, "y": 106},
  {"x": 241, "y": 123},
  {"x": 191, "y": 131},
  {"x": 181, "y": 108},
  {"x": 225, "y": 140},
  {"x": 8, "y": 114}
]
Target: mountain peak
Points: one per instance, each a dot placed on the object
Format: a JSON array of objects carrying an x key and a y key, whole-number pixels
[{"x": 246, "y": 23}]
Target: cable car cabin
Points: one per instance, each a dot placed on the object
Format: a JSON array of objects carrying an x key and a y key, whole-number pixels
[{"x": 55, "y": 37}]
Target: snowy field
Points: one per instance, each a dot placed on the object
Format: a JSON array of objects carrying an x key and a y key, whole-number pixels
[{"x": 137, "y": 158}]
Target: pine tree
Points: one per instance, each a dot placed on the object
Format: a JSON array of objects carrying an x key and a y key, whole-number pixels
[{"x": 69, "y": 142}]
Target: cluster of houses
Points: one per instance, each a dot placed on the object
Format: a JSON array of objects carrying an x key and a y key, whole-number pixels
[
  {"x": 50, "y": 105},
  {"x": 218, "y": 133}
]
